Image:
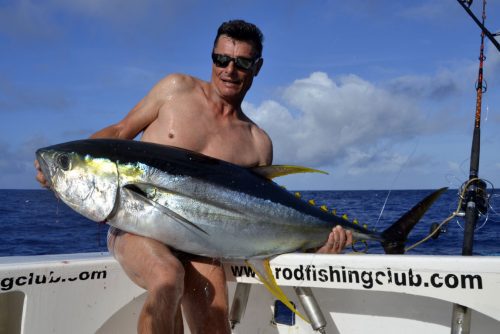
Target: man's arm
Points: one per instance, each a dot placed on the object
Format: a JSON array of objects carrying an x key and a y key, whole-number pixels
[
  {"x": 147, "y": 110},
  {"x": 139, "y": 118},
  {"x": 265, "y": 148},
  {"x": 136, "y": 120}
]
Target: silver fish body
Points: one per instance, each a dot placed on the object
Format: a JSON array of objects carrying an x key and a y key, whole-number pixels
[{"x": 189, "y": 201}]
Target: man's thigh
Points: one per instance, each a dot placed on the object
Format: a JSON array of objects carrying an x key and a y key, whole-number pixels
[{"x": 145, "y": 260}]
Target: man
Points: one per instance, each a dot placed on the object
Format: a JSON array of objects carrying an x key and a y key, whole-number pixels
[{"x": 205, "y": 117}]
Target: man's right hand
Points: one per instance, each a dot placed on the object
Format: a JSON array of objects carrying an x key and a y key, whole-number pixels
[{"x": 39, "y": 175}]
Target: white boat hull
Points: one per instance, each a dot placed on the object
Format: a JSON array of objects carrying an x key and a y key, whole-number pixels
[{"x": 89, "y": 293}]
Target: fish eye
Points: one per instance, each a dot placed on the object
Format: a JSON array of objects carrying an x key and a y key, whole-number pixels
[{"x": 64, "y": 162}]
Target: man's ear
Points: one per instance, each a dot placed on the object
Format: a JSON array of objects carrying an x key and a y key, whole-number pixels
[{"x": 258, "y": 65}]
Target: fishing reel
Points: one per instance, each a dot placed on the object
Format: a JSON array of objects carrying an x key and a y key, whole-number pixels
[
  {"x": 476, "y": 192},
  {"x": 473, "y": 191}
]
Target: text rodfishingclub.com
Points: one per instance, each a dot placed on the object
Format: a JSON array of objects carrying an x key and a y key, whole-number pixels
[
  {"x": 369, "y": 278},
  {"x": 307, "y": 273}
]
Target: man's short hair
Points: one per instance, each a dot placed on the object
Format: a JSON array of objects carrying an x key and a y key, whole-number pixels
[{"x": 242, "y": 31}]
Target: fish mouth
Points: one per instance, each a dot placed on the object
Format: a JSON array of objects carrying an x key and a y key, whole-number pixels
[{"x": 44, "y": 165}]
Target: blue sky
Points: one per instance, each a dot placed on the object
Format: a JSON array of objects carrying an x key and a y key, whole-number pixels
[{"x": 378, "y": 93}]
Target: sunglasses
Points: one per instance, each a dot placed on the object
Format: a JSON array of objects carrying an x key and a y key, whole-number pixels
[{"x": 240, "y": 62}]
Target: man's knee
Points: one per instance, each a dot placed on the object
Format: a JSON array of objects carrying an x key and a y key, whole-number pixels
[{"x": 166, "y": 276}]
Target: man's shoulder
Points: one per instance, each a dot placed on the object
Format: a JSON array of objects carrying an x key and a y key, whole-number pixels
[
  {"x": 264, "y": 144},
  {"x": 178, "y": 82},
  {"x": 257, "y": 131}
]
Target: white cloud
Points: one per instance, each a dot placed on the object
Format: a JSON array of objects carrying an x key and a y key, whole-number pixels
[
  {"x": 349, "y": 120},
  {"x": 42, "y": 19},
  {"x": 20, "y": 159},
  {"x": 359, "y": 162},
  {"x": 453, "y": 166},
  {"x": 15, "y": 97},
  {"x": 108, "y": 9},
  {"x": 444, "y": 84},
  {"x": 426, "y": 10},
  {"x": 26, "y": 18},
  {"x": 492, "y": 63}
]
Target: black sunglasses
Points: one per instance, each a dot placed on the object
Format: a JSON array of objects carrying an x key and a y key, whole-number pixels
[{"x": 240, "y": 62}]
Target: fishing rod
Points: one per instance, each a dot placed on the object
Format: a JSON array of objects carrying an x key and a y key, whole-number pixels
[
  {"x": 466, "y": 5},
  {"x": 475, "y": 199}
]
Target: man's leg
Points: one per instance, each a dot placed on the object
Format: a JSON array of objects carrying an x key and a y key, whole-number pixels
[
  {"x": 205, "y": 303},
  {"x": 152, "y": 266}
]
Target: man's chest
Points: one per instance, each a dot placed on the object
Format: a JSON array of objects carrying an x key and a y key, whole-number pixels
[{"x": 227, "y": 140}]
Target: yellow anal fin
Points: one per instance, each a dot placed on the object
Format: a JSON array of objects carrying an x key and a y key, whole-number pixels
[
  {"x": 270, "y": 172},
  {"x": 267, "y": 278}
]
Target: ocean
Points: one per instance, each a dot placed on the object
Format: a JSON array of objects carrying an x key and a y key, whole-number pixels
[{"x": 35, "y": 222}]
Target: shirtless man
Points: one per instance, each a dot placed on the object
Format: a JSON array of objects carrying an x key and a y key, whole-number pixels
[{"x": 205, "y": 117}]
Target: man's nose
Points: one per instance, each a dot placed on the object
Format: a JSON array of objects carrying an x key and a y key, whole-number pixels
[{"x": 231, "y": 67}]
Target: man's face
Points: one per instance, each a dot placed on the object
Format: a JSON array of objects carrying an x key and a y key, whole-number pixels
[{"x": 232, "y": 82}]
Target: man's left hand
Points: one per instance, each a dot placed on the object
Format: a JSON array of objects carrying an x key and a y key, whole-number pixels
[{"x": 338, "y": 239}]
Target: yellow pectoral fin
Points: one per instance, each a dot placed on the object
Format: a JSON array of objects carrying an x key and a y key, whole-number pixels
[{"x": 265, "y": 275}]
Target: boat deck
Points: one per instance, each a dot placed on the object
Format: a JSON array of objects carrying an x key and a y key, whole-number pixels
[{"x": 89, "y": 293}]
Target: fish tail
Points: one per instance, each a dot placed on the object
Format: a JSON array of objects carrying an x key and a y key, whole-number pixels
[{"x": 394, "y": 237}]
